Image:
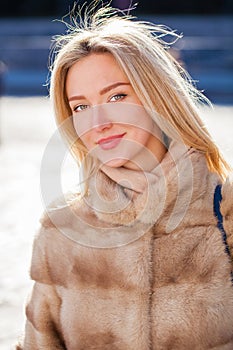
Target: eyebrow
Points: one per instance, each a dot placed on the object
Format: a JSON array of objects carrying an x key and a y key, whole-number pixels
[{"x": 102, "y": 92}]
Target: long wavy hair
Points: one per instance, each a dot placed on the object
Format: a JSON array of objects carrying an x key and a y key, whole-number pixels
[{"x": 160, "y": 82}]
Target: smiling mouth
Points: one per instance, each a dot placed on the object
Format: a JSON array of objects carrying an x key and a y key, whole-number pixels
[{"x": 110, "y": 142}]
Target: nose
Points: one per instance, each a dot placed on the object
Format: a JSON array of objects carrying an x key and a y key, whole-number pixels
[{"x": 100, "y": 118}]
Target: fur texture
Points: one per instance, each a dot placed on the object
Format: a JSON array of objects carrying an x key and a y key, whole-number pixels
[
  {"x": 227, "y": 212},
  {"x": 169, "y": 288}
]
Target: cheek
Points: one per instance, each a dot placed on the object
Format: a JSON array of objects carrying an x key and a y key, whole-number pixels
[
  {"x": 145, "y": 131},
  {"x": 88, "y": 140},
  {"x": 141, "y": 136}
]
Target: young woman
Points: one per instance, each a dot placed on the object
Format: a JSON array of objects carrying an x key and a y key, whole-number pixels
[{"x": 138, "y": 259}]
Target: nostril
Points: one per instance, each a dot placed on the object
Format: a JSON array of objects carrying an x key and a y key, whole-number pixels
[{"x": 103, "y": 126}]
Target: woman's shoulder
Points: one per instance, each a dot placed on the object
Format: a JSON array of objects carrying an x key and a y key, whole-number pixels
[
  {"x": 51, "y": 238},
  {"x": 58, "y": 212}
]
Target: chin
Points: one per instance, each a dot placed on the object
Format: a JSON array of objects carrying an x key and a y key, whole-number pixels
[{"x": 116, "y": 163}]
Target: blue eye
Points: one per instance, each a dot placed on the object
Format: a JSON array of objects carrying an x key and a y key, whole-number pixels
[
  {"x": 117, "y": 97},
  {"x": 80, "y": 108}
]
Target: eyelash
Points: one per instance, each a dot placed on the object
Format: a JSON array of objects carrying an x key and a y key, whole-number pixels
[
  {"x": 121, "y": 97},
  {"x": 75, "y": 109}
]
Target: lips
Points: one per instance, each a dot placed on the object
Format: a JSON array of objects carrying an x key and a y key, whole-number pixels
[{"x": 110, "y": 142}]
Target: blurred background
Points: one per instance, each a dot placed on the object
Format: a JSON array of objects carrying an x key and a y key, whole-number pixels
[
  {"x": 26, "y": 28},
  {"x": 27, "y": 122}
]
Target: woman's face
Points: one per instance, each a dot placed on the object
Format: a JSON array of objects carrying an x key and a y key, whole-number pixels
[{"x": 109, "y": 117}]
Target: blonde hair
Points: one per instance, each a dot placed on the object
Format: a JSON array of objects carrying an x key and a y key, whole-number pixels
[{"x": 159, "y": 81}]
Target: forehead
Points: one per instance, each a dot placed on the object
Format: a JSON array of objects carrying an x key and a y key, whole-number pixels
[{"x": 97, "y": 69}]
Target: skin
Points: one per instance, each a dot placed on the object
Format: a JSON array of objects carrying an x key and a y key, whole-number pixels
[{"x": 109, "y": 117}]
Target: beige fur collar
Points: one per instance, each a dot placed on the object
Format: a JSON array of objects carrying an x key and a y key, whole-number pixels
[
  {"x": 180, "y": 179},
  {"x": 175, "y": 195}
]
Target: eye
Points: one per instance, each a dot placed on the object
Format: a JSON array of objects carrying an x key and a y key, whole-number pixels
[
  {"x": 80, "y": 108},
  {"x": 117, "y": 97}
]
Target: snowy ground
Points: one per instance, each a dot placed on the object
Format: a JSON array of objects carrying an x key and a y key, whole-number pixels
[{"x": 26, "y": 125}]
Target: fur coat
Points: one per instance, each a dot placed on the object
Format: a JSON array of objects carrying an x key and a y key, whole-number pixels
[{"x": 135, "y": 264}]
